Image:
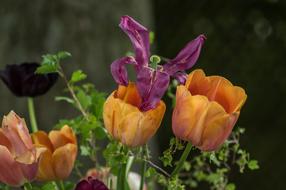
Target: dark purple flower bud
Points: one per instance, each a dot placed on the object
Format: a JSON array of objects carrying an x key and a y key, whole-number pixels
[
  {"x": 187, "y": 57},
  {"x": 151, "y": 84},
  {"x": 22, "y": 80},
  {"x": 91, "y": 184},
  {"x": 118, "y": 69},
  {"x": 139, "y": 37}
]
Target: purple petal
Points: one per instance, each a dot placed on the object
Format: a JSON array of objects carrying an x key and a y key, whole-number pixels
[
  {"x": 187, "y": 57},
  {"x": 139, "y": 37},
  {"x": 181, "y": 77},
  {"x": 151, "y": 85},
  {"x": 118, "y": 69},
  {"x": 83, "y": 185}
]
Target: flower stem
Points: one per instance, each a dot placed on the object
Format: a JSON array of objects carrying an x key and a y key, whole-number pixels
[
  {"x": 62, "y": 185},
  {"x": 182, "y": 159},
  {"x": 143, "y": 168},
  {"x": 121, "y": 180},
  {"x": 33, "y": 120}
]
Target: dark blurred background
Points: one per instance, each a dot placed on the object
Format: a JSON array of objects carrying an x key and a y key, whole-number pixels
[{"x": 246, "y": 43}]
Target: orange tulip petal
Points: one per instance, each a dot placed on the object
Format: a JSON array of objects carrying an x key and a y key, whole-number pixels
[
  {"x": 45, "y": 170},
  {"x": 41, "y": 138},
  {"x": 68, "y": 133},
  {"x": 10, "y": 171},
  {"x": 58, "y": 139},
  {"x": 63, "y": 160},
  {"x": 188, "y": 115}
]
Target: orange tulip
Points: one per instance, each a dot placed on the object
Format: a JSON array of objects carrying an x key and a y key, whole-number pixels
[
  {"x": 18, "y": 155},
  {"x": 57, "y": 161},
  {"x": 206, "y": 110},
  {"x": 126, "y": 122}
]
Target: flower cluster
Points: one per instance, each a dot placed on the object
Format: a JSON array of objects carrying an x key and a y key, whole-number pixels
[
  {"x": 206, "y": 108},
  {"x": 205, "y": 112}
]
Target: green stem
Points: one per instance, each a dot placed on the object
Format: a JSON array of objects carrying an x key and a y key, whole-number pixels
[
  {"x": 121, "y": 180},
  {"x": 143, "y": 169},
  {"x": 28, "y": 186},
  {"x": 32, "y": 115},
  {"x": 62, "y": 185},
  {"x": 182, "y": 159}
]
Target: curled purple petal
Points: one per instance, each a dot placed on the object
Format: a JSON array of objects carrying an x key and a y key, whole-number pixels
[
  {"x": 152, "y": 84},
  {"x": 139, "y": 37},
  {"x": 118, "y": 69},
  {"x": 181, "y": 77},
  {"x": 187, "y": 57}
]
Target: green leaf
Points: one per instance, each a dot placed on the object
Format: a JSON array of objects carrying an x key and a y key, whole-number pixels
[
  {"x": 47, "y": 68},
  {"x": 85, "y": 150},
  {"x": 78, "y": 76},
  {"x": 63, "y": 54},
  {"x": 230, "y": 186},
  {"x": 63, "y": 98},
  {"x": 100, "y": 133},
  {"x": 50, "y": 186},
  {"x": 84, "y": 99},
  {"x": 253, "y": 165}
]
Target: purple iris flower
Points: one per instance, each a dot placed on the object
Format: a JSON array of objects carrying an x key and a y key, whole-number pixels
[
  {"x": 152, "y": 83},
  {"x": 91, "y": 184}
]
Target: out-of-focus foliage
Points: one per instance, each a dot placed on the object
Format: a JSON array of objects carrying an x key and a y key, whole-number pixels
[{"x": 246, "y": 42}]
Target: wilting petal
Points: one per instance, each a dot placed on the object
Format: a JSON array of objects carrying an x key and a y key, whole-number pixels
[
  {"x": 187, "y": 57},
  {"x": 181, "y": 77},
  {"x": 10, "y": 172},
  {"x": 63, "y": 160},
  {"x": 151, "y": 85},
  {"x": 119, "y": 71},
  {"x": 139, "y": 37}
]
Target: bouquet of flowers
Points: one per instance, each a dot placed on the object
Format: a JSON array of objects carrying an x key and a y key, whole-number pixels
[{"x": 113, "y": 131}]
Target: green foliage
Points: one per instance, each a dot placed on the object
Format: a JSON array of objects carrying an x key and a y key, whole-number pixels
[
  {"x": 77, "y": 76},
  {"x": 174, "y": 145},
  {"x": 51, "y": 62}
]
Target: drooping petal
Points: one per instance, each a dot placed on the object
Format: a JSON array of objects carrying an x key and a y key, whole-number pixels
[
  {"x": 139, "y": 37},
  {"x": 187, "y": 57},
  {"x": 181, "y": 77},
  {"x": 151, "y": 85},
  {"x": 119, "y": 71}
]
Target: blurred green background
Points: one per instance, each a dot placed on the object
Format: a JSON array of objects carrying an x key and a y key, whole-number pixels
[{"x": 246, "y": 43}]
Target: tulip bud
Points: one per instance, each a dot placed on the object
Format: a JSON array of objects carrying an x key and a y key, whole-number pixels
[
  {"x": 126, "y": 122},
  {"x": 58, "y": 160},
  {"x": 206, "y": 110},
  {"x": 18, "y": 155}
]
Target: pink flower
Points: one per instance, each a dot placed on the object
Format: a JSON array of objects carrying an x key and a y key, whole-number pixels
[{"x": 17, "y": 153}]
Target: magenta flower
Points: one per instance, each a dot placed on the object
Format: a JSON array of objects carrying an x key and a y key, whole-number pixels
[
  {"x": 90, "y": 184},
  {"x": 152, "y": 83}
]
